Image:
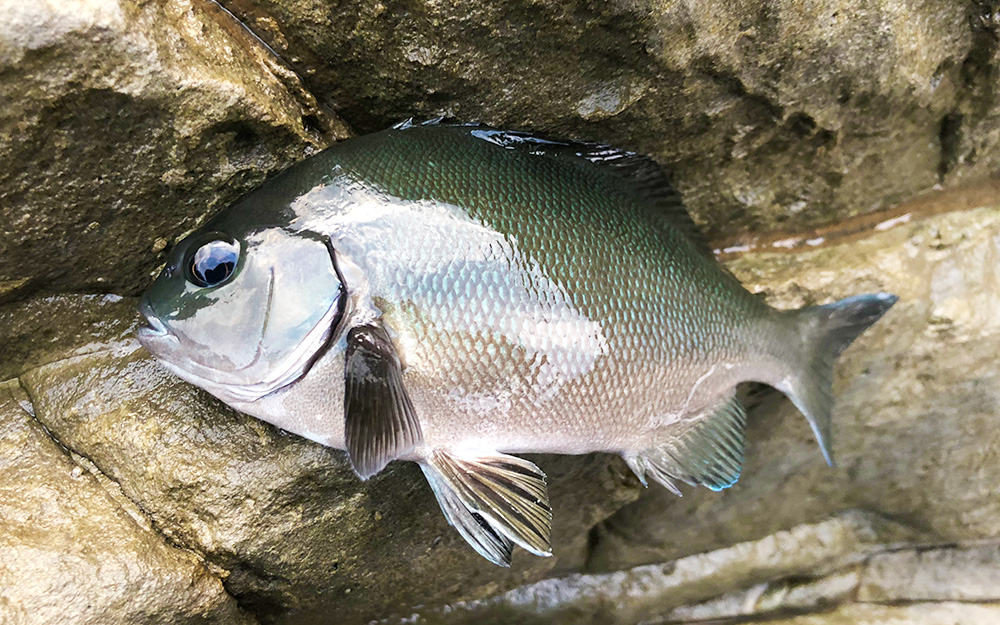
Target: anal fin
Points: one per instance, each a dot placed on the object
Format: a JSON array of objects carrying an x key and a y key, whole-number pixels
[
  {"x": 493, "y": 500},
  {"x": 706, "y": 451},
  {"x": 476, "y": 531}
]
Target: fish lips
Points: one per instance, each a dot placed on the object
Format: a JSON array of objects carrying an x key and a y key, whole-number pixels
[{"x": 152, "y": 331}]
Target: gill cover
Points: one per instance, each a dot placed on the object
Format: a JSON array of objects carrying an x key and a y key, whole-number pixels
[{"x": 245, "y": 332}]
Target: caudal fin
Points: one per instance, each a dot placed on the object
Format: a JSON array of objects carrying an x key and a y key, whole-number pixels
[{"x": 826, "y": 331}]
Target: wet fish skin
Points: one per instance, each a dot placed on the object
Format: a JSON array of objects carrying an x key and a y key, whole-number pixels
[{"x": 450, "y": 294}]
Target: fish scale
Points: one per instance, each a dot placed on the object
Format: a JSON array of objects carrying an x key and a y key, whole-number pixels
[{"x": 452, "y": 294}]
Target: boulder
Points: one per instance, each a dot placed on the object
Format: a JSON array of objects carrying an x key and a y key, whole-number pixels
[
  {"x": 772, "y": 115},
  {"x": 73, "y": 551},
  {"x": 124, "y": 124}
]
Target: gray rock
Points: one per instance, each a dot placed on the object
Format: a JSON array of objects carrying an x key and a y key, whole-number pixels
[
  {"x": 946, "y": 574},
  {"x": 771, "y": 115},
  {"x": 783, "y": 595},
  {"x": 653, "y": 591},
  {"x": 70, "y": 554},
  {"x": 914, "y": 614},
  {"x": 286, "y": 523},
  {"x": 124, "y": 124},
  {"x": 915, "y": 425}
]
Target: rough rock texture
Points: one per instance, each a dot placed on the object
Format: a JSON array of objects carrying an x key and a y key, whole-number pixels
[
  {"x": 125, "y": 123},
  {"x": 646, "y": 592},
  {"x": 291, "y": 530},
  {"x": 70, "y": 554},
  {"x": 949, "y": 574},
  {"x": 771, "y": 114}
]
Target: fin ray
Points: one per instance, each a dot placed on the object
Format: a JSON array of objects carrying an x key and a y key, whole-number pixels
[
  {"x": 507, "y": 492},
  {"x": 484, "y": 538},
  {"x": 826, "y": 331},
  {"x": 706, "y": 452}
]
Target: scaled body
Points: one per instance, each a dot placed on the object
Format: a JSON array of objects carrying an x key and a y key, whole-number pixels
[{"x": 448, "y": 294}]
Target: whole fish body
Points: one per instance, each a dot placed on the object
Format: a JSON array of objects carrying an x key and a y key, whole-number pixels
[{"x": 452, "y": 294}]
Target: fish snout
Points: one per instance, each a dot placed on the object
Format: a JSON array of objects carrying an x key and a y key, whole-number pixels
[{"x": 152, "y": 327}]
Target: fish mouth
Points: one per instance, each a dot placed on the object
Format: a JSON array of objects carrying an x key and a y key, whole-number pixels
[{"x": 150, "y": 328}]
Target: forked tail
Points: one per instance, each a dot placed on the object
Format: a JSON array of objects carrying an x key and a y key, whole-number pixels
[{"x": 825, "y": 332}]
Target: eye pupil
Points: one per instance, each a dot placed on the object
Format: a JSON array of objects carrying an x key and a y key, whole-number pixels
[
  {"x": 214, "y": 263},
  {"x": 218, "y": 273}
]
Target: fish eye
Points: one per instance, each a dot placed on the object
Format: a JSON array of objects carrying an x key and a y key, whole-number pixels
[{"x": 213, "y": 263}]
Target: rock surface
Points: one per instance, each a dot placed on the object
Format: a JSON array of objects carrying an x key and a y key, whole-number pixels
[
  {"x": 69, "y": 553},
  {"x": 123, "y": 125},
  {"x": 771, "y": 114}
]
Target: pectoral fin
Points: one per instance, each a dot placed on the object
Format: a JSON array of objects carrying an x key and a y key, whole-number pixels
[
  {"x": 380, "y": 423},
  {"x": 493, "y": 500},
  {"x": 708, "y": 451}
]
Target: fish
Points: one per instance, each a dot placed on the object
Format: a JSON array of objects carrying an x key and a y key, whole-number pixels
[{"x": 455, "y": 295}]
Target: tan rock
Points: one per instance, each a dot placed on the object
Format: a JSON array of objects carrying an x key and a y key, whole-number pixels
[
  {"x": 655, "y": 591},
  {"x": 70, "y": 554},
  {"x": 781, "y": 595},
  {"x": 914, "y": 614},
  {"x": 770, "y": 114},
  {"x": 124, "y": 122}
]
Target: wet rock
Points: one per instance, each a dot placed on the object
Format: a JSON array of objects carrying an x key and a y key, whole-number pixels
[
  {"x": 947, "y": 574},
  {"x": 70, "y": 554},
  {"x": 770, "y": 114},
  {"x": 292, "y": 531},
  {"x": 124, "y": 123},
  {"x": 914, "y": 426}
]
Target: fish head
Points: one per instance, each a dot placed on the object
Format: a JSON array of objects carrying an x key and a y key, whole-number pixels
[{"x": 242, "y": 315}]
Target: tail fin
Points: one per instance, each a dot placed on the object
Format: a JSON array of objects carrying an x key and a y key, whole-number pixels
[{"x": 826, "y": 331}]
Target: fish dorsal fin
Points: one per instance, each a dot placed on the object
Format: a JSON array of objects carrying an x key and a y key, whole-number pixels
[
  {"x": 642, "y": 174},
  {"x": 707, "y": 451},
  {"x": 380, "y": 424},
  {"x": 505, "y": 496}
]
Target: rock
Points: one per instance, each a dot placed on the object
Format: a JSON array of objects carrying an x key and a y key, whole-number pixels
[
  {"x": 771, "y": 115},
  {"x": 643, "y": 593},
  {"x": 914, "y": 614},
  {"x": 70, "y": 554},
  {"x": 781, "y": 596},
  {"x": 126, "y": 123},
  {"x": 945, "y": 574},
  {"x": 917, "y": 397},
  {"x": 292, "y": 531}
]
